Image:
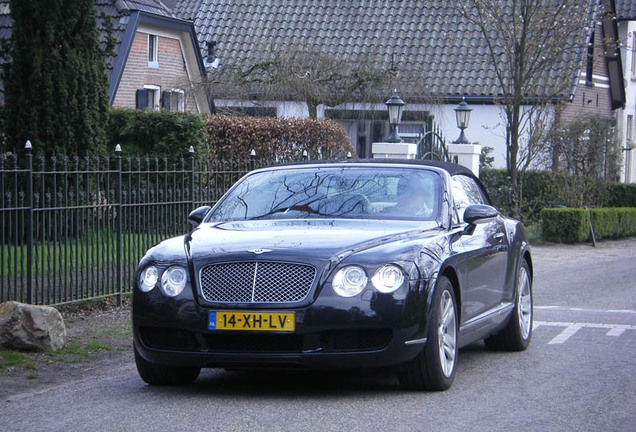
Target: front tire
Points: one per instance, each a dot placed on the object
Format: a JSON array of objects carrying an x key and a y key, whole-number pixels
[
  {"x": 161, "y": 375},
  {"x": 434, "y": 367},
  {"x": 517, "y": 334}
]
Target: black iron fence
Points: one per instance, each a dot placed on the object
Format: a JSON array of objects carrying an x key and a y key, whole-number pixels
[{"x": 75, "y": 228}]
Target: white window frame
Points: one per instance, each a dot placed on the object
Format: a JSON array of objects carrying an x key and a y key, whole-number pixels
[
  {"x": 153, "y": 51},
  {"x": 180, "y": 101},
  {"x": 156, "y": 105}
]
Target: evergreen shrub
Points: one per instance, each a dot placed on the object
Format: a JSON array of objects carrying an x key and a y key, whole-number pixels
[
  {"x": 537, "y": 192},
  {"x": 54, "y": 80},
  {"x": 622, "y": 195},
  {"x": 159, "y": 133}
]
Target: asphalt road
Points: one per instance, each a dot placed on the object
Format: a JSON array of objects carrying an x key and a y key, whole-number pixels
[{"x": 579, "y": 374}]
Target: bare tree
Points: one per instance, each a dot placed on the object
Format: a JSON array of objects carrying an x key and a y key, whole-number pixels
[
  {"x": 306, "y": 75},
  {"x": 534, "y": 48},
  {"x": 588, "y": 147}
]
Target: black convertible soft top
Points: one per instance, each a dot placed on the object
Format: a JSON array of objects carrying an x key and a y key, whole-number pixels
[{"x": 452, "y": 168}]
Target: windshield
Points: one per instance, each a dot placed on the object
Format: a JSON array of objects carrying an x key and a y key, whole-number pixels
[{"x": 333, "y": 192}]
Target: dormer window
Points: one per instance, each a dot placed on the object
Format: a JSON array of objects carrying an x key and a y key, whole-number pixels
[{"x": 153, "y": 58}]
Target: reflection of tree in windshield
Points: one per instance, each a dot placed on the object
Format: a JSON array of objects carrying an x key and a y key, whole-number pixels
[{"x": 344, "y": 192}]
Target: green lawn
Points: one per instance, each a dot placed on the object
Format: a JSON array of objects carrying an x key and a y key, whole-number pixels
[{"x": 96, "y": 250}]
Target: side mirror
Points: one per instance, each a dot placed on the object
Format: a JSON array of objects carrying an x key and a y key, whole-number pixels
[
  {"x": 197, "y": 215},
  {"x": 476, "y": 212}
]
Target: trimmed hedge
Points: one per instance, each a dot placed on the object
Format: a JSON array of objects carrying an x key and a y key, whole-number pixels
[
  {"x": 276, "y": 138},
  {"x": 572, "y": 225},
  {"x": 166, "y": 133}
]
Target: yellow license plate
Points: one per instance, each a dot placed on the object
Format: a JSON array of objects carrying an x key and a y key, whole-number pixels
[{"x": 254, "y": 321}]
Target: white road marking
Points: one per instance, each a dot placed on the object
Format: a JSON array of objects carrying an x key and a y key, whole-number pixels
[
  {"x": 614, "y": 330},
  {"x": 575, "y": 309},
  {"x": 618, "y": 330}
]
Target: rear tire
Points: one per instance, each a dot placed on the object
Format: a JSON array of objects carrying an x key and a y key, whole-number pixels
[
  {"x": 517, "y": 334},
  {"x": 161, "y": 375},
  {"x": 434, "y": 367}
]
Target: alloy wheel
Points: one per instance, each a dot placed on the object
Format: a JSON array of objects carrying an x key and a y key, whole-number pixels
[
  {"x": 447, "y": 334},
  {"x": 524, "y": 302}
]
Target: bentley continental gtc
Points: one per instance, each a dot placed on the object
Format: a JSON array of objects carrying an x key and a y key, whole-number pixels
[{"x": 341, "y": 264}]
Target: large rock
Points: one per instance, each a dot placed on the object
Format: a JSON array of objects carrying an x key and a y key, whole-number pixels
[{"x": 29, "y": 327}]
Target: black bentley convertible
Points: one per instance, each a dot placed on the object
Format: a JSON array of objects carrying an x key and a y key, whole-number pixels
[{"x": 341, "y": 264}]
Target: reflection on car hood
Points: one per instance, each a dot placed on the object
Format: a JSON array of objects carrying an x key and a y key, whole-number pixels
[{"x": 304, "y": 238}]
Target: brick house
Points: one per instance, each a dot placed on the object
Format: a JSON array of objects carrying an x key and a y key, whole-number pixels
[
  {"x": 156, "y": 58},
  {"x": 598, "y": 87}
]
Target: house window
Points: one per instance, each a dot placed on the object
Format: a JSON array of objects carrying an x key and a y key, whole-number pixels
[
  {"x": 149, "y": 97},
  {"x": 153, "y": 59},
  {"x": 177, "y": 100},
  {"x": 154, "y": 93},
  {"x": 173, "y": 100}
]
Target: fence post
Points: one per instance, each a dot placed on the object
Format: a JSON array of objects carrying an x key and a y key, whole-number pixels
[
  {"x": 118, "y": 224},
  {"x": 191, "y": 168},
  {"x": 29, "y": 220}
]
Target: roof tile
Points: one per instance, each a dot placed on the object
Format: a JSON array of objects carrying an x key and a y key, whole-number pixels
[
  {"x": 626, "y": 9},
  {"x": 421, "y": 37}
]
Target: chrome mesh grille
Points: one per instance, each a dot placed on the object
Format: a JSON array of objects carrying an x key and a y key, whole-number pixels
[{"x": 256, "y": 282}]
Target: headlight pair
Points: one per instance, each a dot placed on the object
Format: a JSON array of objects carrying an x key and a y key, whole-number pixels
[
  {"x": 173, "y": 279},
  {"x": 351, "y": 280}
]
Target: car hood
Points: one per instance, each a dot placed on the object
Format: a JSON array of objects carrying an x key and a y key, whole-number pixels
[{"x": 297, "y": 239}]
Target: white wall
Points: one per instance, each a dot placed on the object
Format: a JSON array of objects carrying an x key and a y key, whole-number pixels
[
  {"x": 626, "y": 35},
  {"x": 486, "y": 128}
]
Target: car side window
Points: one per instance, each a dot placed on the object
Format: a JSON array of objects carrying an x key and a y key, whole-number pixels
[{"x": 466, "y": 192}]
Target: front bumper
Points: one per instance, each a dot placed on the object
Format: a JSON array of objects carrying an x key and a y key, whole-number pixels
[{"x": 369, "y": 331}]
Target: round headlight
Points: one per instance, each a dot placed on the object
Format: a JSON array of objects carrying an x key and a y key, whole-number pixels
[
  {"x": 173, "y": 280},
  {"x": 388, "y": 278},
  {"x": 148, "y": 278},
  {"x": 349, "y": 281}
]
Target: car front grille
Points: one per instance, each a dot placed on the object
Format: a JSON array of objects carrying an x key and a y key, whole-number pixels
[{"x": 256, "y": 282}]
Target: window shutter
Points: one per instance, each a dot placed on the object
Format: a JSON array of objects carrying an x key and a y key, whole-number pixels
[
  {"x": 141, "y": 99},
  {"x": 165, "y": 100}
]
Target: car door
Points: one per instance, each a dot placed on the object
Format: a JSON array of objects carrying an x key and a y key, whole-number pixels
[{"x": 484, "y": 253}]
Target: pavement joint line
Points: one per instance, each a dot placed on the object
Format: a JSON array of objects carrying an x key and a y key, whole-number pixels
[
  {"x": 571, "y": 328},
  {"x": 575, "y": 309}
]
